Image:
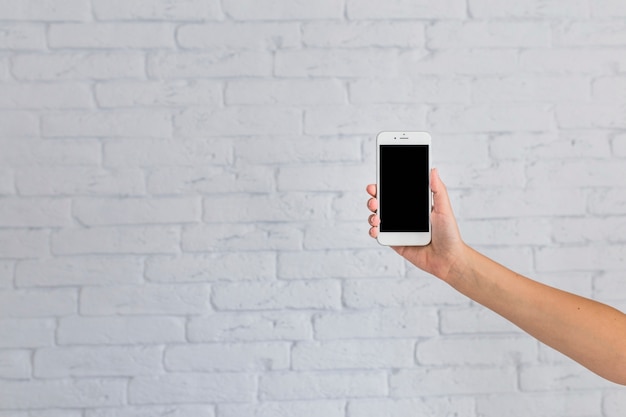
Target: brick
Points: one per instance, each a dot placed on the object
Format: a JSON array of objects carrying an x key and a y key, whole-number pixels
[
  {"x": 609, "y": 201},
  {"x": 210, "y": 179},
  {"x": 286, "y": 408},
  {"x": 7, "y": 182},
  {"x": 362, "y": 354},
  {"x": 608, "y": 8},
  {"x": 107, "y": 361},
  {"x": 112, "y": 240},
  {"x": 467, "y": 320},
  {"x": 577, "y": 173},
  {"x": 419, "y": 406},
  {"x": 45, "y": 153},
  {"x": 294, "y": 206},
  {"x": 16, "y": 124},
  {"x": 298, "y": 149},
  {"x": 35, "y": 212},
  {"x": 77, "y": 330},
  {"x": 154, "y": 411},
  {"x": 579, "y": 403},
  {"x": 609, "y": 116},
  {"x": 581, "y": 258},
  {"x": 158, "y": 93},
  {"x": 322, "y": 295},
  {"x": 26, "y": 333},
  {"x": 38, "y": 303},
  {"x": 535, "y": 9},
  {"x": 15, "y": 243},
  {"x": 217, "y": 63},
  {"x": 22, "y": 36},
  {"x": 571, "y": 60},
  {"x": 238, "y": 237},
  {"x": 127, "y": 123},
  {"x": 531, "y": 89},
  {"x": 608, "y": 286},
  {"x": 111, "y": 35},
  {"x": 587, "y": 33},
  {"x": 45, "y": 10},
  {"x": 345, "y": 235},
  {"x": 608, "y": 89},
  {"x": 15, "y": 364},
  {"x": 326, "y": 177},
  {"x": 336, "y": 63},
  {"x": 63, "y": 393},
  {"x": 6, "y": 274},
  {"x": 426, "y": 89},
  {"x": 488, "y": 34},
  {"x": 340, "y": 263},
  {"x": 192, "y": 388},
  {"x": 367, "y": 34},
  {"x": 570, "y": 376},
  {"x": 316, "y": 385},
  {"x": 613, "y": 403},
  {"x": 505, "y": 232},
  {"x": 79, "y": 271},
  {"x": 243, "y": 327},
  {"x": 248, "y": 357},
  {"x": 183, "y": 10},
  {"x": 136, "y": 211},
  {"x": 42, "y": 413},
  {"x": 618, "y": 145},
  {"x": 283, "y": 9},
  {"x": 406, "y": 9},
  {"x": 467, "y": 175},
  {"x": 538, "y": 146},
  {"x": 295, "y": 92},
  {"x": 452, "y": 381},
  {"x": 216, "y": 266},
  {"x": 259, "y": 36},
  {"x": 170, "y": 300},
  {"x": 79, "y": 66},
  {"x": 446, "y": 62},
  {"x": 452, "y": 118},
  {"x": 4, "y": 68},
  {"x": 382, "y": 323}
]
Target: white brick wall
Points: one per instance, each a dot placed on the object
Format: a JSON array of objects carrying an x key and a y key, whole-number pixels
[{"x": 182, "y": 218}]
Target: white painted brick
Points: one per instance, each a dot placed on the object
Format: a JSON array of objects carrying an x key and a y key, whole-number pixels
[
  {"x": 345, "y": 235},
  {"x": 581, "y": 258},
  {"x": 571, "y": 60},
  {"x": 363, "y": 34},
  {"x": 293, "y": 206},
  {"x": 112, "y": 240},
  {"x": 26, "y": 333},
  {"x": 210, "y": 179},
  {"x": 505, "y": 232},
  {"x": 479, "y": 62},
  {"x": 298, "y": 149},
  {"x": 461, "y": 148},
  {"x": 452, "y": 118},
  {"x": 38, "y": 303},
  {"x": 135, "y": 211},
  {"x": 156, "y": 10},
  {"x": 158, "y": 93},
  {"x": 535, "y": 9},
  {"x": 451, "y": 406},
  {"x": 42, "y": 413},
  {"x": 15, "y": 243},
  {"x": 608, "y": 201},
  {"x": 319, "y": 294},
  {"x": 215, "y": 266},
  {"x": 609, "y": 89},
  {"x": 339, "y": 264},
  {"x": 570, "y": 376},
  {"x": 518, "y": 258},
  {"x": 22, "y": 36},
  {"x": 120, "y": 330},
  {"x": 609, "y": 286},
  {"x": 322, "y": 385},
  {"x": 79, "y": 66},
  {"x": 232, "y": 35},
  {"x": 127, "y": 123},
  {"x": 154, "y": 411},
  {"x": 283, "y": 9},
  {"x": 337, "y": 63},
  {"x": 15, "y": 364},
  {"x": 63, "y": 393},
  {"x": 613, "y": 403},
  {"x": 215, "y": 63},
  {"x": 97, "y": 361},
  {"x": 6, "y": 274},
  {"x": 111, "y": 35},
  {"x": 242, "y": 327},
  {"x": 426, "y": 89},
  {"x": 81, "y": 271},
  {"x": 237, "y": 237},
  {"x": 249, "y": 357},
  {"x": 466, "y": 320},
  {"x": 452, "y": 380},
  {"x": 7, "y": 182},
  {"x": 585, "y": 33},
  {"x": 596, "y": 115},
  {"x": 531, "y": 89},
  {"x": 405, "y": 9},
  {"x": 280, "y": 92},
  {"x": 45, "y": 153},
  {"x": 336, "y": 177},
  {"x": 333, "y": 120},
  {"x": 361, "y": 354},
  {"x": 608, "y": 8},
  {"x": 17, "y": 124},
  {"x": 468, "y": 175},
  {"x": 284, "y": 408},
  {"x": 4, "y": 68},
  {"x": 577, "y": 173},
  {"x": 192, "y": 388},
  {"x": 35, "y": 212},
  {"x": 488, "y": 34},
  {"x": 46, "y": 10},
  {"x": 170, "y": 300},
  {"x": 564, "y": 145},
  {"x": 45, "y": 96},
  {"x": 574, "y": 404},
  {"x": 383, "y": 323}
]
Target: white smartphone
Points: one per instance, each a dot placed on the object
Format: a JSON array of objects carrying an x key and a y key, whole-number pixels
[{"x": 403, "y": 179}]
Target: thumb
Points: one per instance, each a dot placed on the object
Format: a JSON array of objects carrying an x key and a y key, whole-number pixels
[{"x": 441, "y": 201}]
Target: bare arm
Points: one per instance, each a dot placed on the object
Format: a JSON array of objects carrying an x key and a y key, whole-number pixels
[{"x": 587, "y": 331}]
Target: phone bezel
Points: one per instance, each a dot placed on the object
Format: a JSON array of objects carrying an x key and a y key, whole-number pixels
[{"x": 404, "y": 138}]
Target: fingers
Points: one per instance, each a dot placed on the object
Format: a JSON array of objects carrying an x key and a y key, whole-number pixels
[
  {"x": 372, "y": 205},
  {"x": 371, "y": 189},
  {"x": 374, "y": 220},
  {"x": 440, "y": 193}
]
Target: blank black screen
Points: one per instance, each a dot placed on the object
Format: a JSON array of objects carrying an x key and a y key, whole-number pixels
[{"x": 404, "y": 193}]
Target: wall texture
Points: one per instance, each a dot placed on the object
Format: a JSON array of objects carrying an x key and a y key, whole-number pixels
[{"x": 182, "y": 203}]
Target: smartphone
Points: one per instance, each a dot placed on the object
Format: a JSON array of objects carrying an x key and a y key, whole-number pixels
[{"x": 403, "y": 181}]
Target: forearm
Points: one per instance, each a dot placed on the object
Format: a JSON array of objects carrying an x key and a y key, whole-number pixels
[{"x": 589, "y": 332}]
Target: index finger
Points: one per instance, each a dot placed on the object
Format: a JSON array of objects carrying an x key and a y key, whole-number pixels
[{"x": 371, "y": 189}]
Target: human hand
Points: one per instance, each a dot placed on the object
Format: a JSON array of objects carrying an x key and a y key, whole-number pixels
[{"x": 446, "y": 248}]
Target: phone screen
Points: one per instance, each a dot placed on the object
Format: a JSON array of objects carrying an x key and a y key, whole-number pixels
[{"x": 404, "y": 182}]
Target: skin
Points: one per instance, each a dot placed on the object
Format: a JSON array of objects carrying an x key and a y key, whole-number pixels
[{"x": 591, "y": 333}]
